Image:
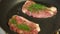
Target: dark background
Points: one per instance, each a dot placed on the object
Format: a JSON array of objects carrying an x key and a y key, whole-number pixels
[{"x": 48, "y": 26}]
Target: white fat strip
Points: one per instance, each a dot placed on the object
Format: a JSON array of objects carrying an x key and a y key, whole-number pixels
[
  {"x": 22, "y": 18},
  {"x": 27, "y": 1},
  {"x": 52, "y": 10},
  {"x": 37, "y": 27},
  {"x": 24, "y": 11},
  {"x": 25, "y": 19}
]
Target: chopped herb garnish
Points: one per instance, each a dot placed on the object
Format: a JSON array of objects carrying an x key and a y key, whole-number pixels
[
  {"x": 13, "y": 21},
  {"x": 20, "y": 26},
  {"x": 36, "y": 7},
  {"x": 23, "y": 27}
]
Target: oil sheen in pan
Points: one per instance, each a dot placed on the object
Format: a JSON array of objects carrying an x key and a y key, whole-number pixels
[{"x": 45, "y": 24}]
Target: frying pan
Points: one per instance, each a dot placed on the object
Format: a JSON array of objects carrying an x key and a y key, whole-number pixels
[{"x": 8, "y": 8}]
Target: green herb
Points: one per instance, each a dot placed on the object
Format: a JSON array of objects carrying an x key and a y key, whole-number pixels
[
  {"x": 36, "y": 7},
  {"x": 23, "y": 27},
  {"x": 13, "y": 21},
  {"x": 20, "y": 26}
]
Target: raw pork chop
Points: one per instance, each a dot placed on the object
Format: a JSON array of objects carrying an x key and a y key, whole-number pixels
[
  {"x": 38, "y": 13},
  {"x": 23, "y": 26}
]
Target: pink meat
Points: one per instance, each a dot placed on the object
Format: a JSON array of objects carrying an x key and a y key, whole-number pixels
[
  {"x": 21, "y": 20},
  {"x": 40, "y": 14}
]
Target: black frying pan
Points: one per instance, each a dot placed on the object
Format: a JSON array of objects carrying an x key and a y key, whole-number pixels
[{"x": 12, "y": 7}]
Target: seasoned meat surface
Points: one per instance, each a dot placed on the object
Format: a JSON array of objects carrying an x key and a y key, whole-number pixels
[
  {"x": 38, "y": 13},
  {"x": 23, "y": 26}
]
